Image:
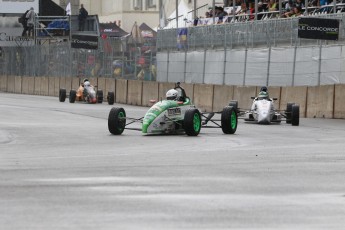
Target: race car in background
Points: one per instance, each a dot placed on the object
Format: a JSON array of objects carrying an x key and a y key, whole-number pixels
[
  {"x": 175, "y": 115},
  {"x": 263, "y": 111},
  {"x": 86, "y": 93}
]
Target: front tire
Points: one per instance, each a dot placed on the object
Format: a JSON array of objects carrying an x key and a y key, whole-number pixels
[
  {"x": 62, "y": 95},
  {"x": 229, "y": 120},
  {"x": 116, "y": 121},
  {"x": 192, "y": 122},
  {"x": 234, "y": 104}
]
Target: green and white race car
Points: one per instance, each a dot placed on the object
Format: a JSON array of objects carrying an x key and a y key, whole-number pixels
[{"x": 173, "y": 116}]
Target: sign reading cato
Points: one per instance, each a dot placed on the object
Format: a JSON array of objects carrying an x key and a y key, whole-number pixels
[{"x": 318, "y": 28}]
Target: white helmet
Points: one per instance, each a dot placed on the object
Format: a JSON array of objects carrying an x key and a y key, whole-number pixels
[
  {"x": 86, "y": 83},
  {"x": 172, "y": 94}
]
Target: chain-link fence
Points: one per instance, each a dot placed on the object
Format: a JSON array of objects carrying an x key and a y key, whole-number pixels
[
  {"x": 239, "y": 35},
  {"x": 115, "y": 57}
]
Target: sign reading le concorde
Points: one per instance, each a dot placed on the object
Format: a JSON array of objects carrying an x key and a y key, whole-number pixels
[
  {"x": 18, "y": 6},
  {"x": 318, "y": 28}
]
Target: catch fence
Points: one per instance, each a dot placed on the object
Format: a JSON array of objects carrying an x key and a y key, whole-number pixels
[{"x": 114, "y": 58}]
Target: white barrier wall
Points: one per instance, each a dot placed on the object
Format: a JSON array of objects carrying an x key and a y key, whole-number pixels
[
  {"x": 281, "y": 66},
  {"x": 287, "y": 66}
]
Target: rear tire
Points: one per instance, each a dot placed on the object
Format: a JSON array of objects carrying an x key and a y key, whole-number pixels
[
  {"x": 295, "y": 115},
  {"x": 99, "y": 96},
  {"x": 288, "y": 112},
  {"x": 229, "y": 120},
  {"x": 62, "y": 95},
  {"x": 192, "y": 122},
  {"x": 72, "y": 96},
  {"x": 116, "y": 121},
  {"x": 111, "y": 98}
]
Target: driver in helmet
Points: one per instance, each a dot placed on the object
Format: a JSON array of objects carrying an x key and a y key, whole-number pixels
[
  {"x": 263, "y": 94},
  {"x": 172, "y": 94},
  {"x": 81, "y": 92}
]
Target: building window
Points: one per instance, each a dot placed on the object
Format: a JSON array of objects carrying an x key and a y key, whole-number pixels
[
  {"x": 138, "y": 4},
  {"x": 151, "y": 3}
]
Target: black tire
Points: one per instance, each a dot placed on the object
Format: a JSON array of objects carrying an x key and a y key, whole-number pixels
[
  {"x": 295, "y": 115},
  {"x": 99, "y": 96},
  {"x": 288, "y": 112},
  {"x": 116, "y": 121},
  {"x": 62, "y": 95},
  {"x": 229, "y": 120},
  {"x": 72, "y": 96},
  {"x": 234, "y": 104},
  {"x": 111, "y": 98},
  {"x": 192, "y": 122}
]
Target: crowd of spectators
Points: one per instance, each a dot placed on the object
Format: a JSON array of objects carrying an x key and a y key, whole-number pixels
[{"x": 244, "y": 10}]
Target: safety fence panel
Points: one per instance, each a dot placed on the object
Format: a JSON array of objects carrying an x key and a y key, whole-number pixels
[
  {"x": 214, "y": 67},
  {"x": 194, "y": 67},
  {"x": 257, "y": 67},
  {"x": 331, "y": 66},
  {"x": 162, "y": 67},
  {"x": 307, "y": 66},
  {"x": 281, "y": 66},
  {"x": 177, "y": 64},
  {"x": 235, "y": 67}
]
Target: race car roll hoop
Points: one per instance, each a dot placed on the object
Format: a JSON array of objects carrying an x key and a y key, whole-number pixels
[{"x": 174, "y": 115}]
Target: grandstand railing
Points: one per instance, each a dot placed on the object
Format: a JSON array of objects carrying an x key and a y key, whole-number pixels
[{"x": 247, "y": 34}]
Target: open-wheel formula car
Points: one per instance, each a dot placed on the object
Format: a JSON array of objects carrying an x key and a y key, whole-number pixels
[
  {"x": 86, "y": 93},
  {"x": 263, "y": 111},
  {"x": 176, "y": 115}
]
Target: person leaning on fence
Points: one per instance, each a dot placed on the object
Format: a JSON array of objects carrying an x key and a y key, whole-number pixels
[
  {"x": 30, "y": 17},
  {"x": 82, "y": 17}
]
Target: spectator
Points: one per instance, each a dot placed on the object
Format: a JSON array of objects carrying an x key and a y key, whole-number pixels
[
  {"x": 30, "y": 17},
  {"x": 251, "y": 11},
  {"x": 24, "y": 22},
  {"x": 82, "y": 17}
]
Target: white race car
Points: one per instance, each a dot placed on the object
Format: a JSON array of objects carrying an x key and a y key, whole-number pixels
[{"x": 263, "y": 111}]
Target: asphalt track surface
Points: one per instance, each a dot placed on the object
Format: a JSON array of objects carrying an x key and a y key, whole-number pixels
[{"x": 61, "y": 169}]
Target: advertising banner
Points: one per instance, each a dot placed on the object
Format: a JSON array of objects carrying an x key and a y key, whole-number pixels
[
  {"x": 84, "y": 42},
  {"x": 318, "y": 28}
]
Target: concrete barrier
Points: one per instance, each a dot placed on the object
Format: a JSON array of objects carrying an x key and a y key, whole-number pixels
[
  {"x": 134, "y": 94},
  {"x": 163, "y": 88},
  {"x": 17, "y": 84},
  {"x": 37, "y": 86},
  {"x": 339, "y": 105},
  {"x": 44, "y": 90},
  {"x": 10, "y": 84},
  {"x": 297, "y": 94},
  {"x": 203, "y": 97},
  {"x": 54, "y": 85},
  {"x": 222, "y": 96},
  {"x": 319, "y": 105},
  {"x": 121, "y": 91},
  {"x": 243, "y": 95},
  {"x": 150, "y": 92},
  {"x": 3, "y": 83},
  {"x": 28, "y": 85}
]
